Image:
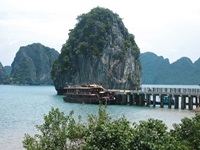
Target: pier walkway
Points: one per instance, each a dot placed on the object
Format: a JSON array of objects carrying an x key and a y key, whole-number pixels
[{"x": 184, "y": 98}]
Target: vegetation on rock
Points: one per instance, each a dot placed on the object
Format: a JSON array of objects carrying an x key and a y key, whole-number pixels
[
  {"x": 99, "y": 50},
  {"x": 8, "y": 69},
  {"x": 3, "y": 75},
  {"x": 103, "y": 132},
  {"x": 32, "y": 65}
]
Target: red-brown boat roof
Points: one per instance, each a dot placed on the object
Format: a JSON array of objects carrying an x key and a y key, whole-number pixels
[{"x": 90, "y": 86}]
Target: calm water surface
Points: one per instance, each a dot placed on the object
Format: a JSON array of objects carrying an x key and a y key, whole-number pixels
[{"x": 23, "y": 107}]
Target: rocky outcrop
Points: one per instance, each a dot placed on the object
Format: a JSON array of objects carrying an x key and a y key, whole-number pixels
[
  {"x": 32, "y": 65},
  {"x": 3, "y": 75},
  {"x": 99, "y": 50}
]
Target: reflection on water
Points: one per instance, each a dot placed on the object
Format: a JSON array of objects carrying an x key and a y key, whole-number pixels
[{"x": 23, "y": 107}]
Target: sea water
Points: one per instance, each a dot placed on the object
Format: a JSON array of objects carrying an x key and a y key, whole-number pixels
[{"x": 23, "y": 107}]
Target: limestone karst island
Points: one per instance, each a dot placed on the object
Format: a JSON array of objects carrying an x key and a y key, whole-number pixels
[{"x": 99, "y": 50}]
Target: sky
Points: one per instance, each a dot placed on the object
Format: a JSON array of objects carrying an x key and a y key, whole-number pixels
[{"x": 168, "y": 28}]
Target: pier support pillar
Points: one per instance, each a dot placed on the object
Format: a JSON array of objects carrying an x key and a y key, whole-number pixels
[
  {"x": 161, "y": 100},
  {"x": 137, "y": 97},
  {"x": 169, "y": 101},
  {"x": 190, "y": 102},
  {"x": 176, "y": 103},
  {"x": 196, "y": 101},
  {"x": 134, "y": 99},
  {"x": 148, "y": 100},
  {"x": 141, "y": 100},
  {"x": 199, "y": 100},
  {"x": 154, "y": 100},
  {"x": 124, "y": 99},
  {"x": 118, "y": 99},
  {"x": 131, "y": 99},
  {"x": 183, "y": 102}
]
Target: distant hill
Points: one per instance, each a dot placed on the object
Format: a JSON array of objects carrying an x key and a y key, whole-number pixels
[
  {"x": 8, "y": 69},
  {"x": 3, "y": 75},
  {"x": 32, "y": 65},
  {"x": 157, "y": 70}
]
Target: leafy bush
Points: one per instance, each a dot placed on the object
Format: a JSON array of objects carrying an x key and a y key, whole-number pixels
[
  {"x": 61, "y": 132},
  {"x": 188, "y": 132},
  {"x": 104, "y": 133},
  {"x": 152, "y": 134},
  {"x": 53, "y": 133}
]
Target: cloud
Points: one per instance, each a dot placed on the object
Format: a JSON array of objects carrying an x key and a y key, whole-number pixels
[{"x": 158, "y": 26}]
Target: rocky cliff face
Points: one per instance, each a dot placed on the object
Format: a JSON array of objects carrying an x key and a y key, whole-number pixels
[
  {"x": 3, "y": 75},
  {"x": 32, "y": 65},
  {"x": 99, "y": 50}
]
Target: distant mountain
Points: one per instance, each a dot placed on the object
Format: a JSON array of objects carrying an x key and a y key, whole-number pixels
[
  {"x": 152, "y": 67},
  {"x": 8, "y": 69},
  {"x": 157, "y": 70},
  {"x": 32, "y": 65},
  {"x": 3, "y": 75}
]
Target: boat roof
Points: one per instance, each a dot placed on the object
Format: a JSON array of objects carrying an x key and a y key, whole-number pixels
[
  {"x": 90, "y": 86},
  {"x": 82, "y": 94}
]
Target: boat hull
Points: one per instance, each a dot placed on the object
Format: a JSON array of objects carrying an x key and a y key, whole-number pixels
[
  {"x": 88, "y": 94},
  {"x": 89, "y": 101}
]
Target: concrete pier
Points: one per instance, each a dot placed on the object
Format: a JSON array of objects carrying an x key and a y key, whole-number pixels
[{"x": 177, "y": 98}]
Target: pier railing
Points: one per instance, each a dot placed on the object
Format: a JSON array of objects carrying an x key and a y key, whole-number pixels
[
  {"x": 185, "y": 97},
  {"x": 195, "y": 91}
]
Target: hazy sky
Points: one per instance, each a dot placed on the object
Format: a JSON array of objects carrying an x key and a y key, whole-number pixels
[{"x": 170, "y": 28}]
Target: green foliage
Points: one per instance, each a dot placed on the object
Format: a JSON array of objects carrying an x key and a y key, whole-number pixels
[
  {"x": 103, "y": 133},
  {"x": 61, "y": 132},
  {"x": 53, "y": 69},
  {"x": 152, "y": 134},
  {"x": 3, "y": 75},
  {"x": 89, "y": 35},
  {"x": 188, "y": 132},
  {"x": 32, "y": 65},
  {"x": 24, "y": 73},
  {"x": 53, "y": 133},
  {"x": 129, "y": 43}
]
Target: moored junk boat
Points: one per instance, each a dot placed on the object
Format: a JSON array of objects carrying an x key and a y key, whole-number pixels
[{"x": 89, "y": 94}]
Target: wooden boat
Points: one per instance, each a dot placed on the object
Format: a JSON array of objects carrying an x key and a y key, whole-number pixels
[{"x": 89, "y": 94}]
